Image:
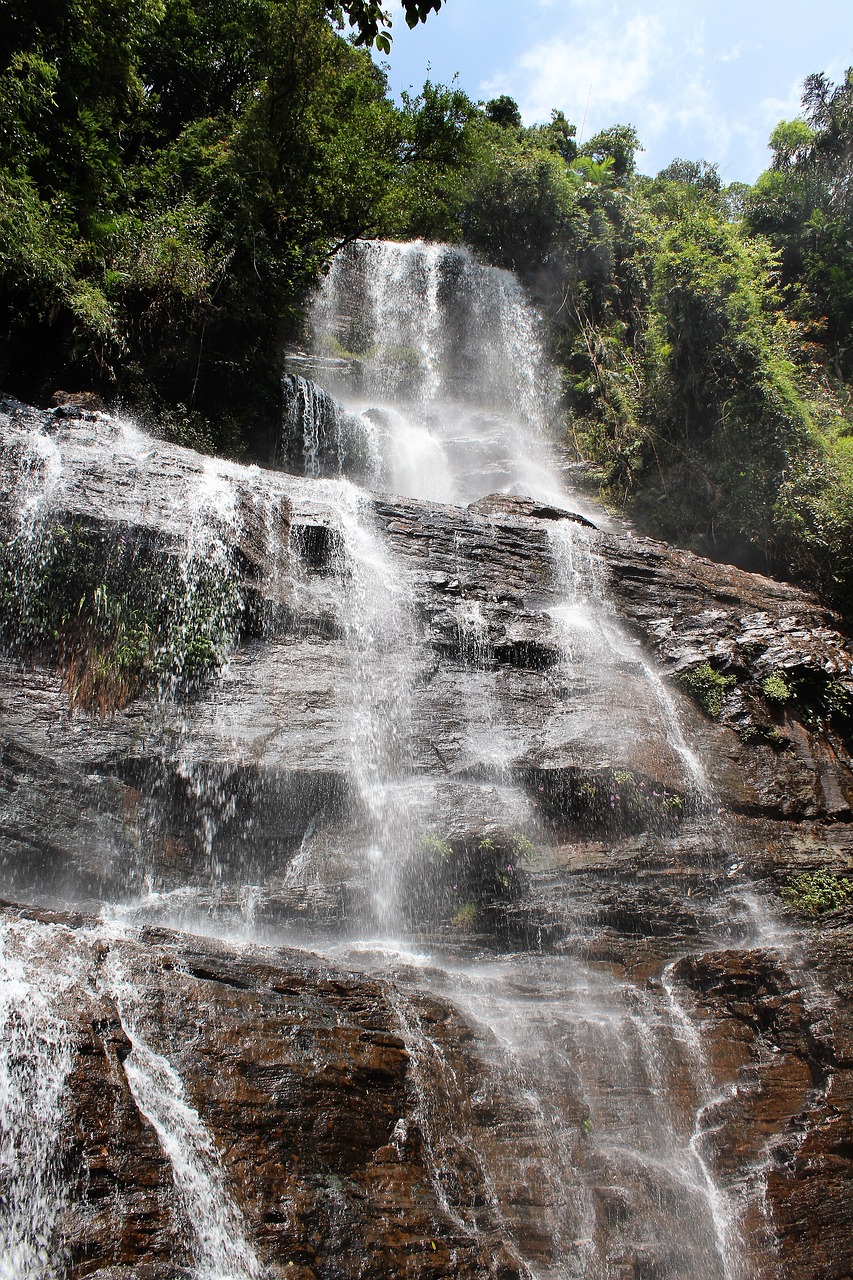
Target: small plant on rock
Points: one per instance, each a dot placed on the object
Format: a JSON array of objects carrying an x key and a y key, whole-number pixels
[
  {"x": 114, "y": 614},
  {"x": 814, "y": 893},
  {"x": 776, "y": 688},
  {"x": 435, "y": 849},
  {"x": 466, "y": 917},
  {"x": 707, "y": 687},
  {"x": 520, "y": 846}
]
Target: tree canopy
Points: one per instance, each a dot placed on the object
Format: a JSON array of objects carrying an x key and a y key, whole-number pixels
[{"x": 170, "y": 171}]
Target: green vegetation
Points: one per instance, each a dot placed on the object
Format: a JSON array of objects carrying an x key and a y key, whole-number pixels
[
  {"x": 520, "y": 846},
  {"x": 463, "y": 880},
  {"x": 434, "y": 850},
  {"x": 825, "y": 705},
  {"x": 776, "y": 688},
  {"x": 704, "y": 348},
  {"x": 704, "y": 333},
  {"x": 175, "y": 174},
  {"x": 466, "y": 917},
  {"x": 814, "y": 893},
  {"x": 707, "y": 687},
  {"x": 112, "y": 615}
]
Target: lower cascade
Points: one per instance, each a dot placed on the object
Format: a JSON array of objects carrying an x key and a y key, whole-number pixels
[{"x": 401, "y": 858}]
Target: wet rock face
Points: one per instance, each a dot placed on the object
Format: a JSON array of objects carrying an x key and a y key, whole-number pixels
[
  {"x": 790, "y": 1120},
  {"x": 787, "y": 668},
  {"x": 318, "y": 437},
  {"x": 106, "y": 478},
  {"x": 375, "y": 1126},
  {"x": 295, "y": 1072},
  {"x": 489, "y": 690}
]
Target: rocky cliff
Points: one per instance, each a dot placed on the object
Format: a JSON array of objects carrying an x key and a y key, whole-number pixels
[{"x": 621, "y": 759}]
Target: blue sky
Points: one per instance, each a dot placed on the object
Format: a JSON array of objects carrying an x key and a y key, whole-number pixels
[{"x": 698, "y": 79}]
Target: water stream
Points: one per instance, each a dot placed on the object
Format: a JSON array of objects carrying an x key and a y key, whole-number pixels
[
  {"x": 219, "y": 1241},
  {"x": 441, "y": 365},
  {"x": 442, "y": 362},
  {"x": 35, "y": 1058}
]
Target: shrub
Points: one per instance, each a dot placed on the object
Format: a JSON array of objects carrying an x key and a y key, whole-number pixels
[
  {"x": 113, "y": 614},
  {"x": 776, "y": 688},
  {"x": 466, "y": 917},
  {"x": 434, "y": 849}
]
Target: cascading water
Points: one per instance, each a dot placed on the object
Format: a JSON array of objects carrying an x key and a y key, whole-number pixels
[
  {"x": 442, "y": 361},
  {"x": 35, "y": 1059},
  {"x": 378, "y": 626},
  {"x": 554, "y": 1029},
  {"x": 593, "y": 642},
  {"x": 219, "y": 1244}
]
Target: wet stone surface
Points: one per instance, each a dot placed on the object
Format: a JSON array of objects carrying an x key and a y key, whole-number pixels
[{"x": 586, "y": 884}]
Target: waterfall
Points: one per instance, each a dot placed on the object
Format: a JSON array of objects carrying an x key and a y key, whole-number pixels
[
  {"x": 375, "y": 611},
  {"x": 53, "y": 984},
  {"x": 562, "y": 1026},
  {"x": 446, "y": 367},
  {"x": 353, "y": 742},
  {"x": 592, "y": 639},
  {"x": 219, "y": 1243},
  {"x": 163, "y": 588},
  {"x": 319, "y": 438}
]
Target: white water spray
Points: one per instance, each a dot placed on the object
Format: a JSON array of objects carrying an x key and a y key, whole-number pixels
[{"x": 36, "y": 1055}]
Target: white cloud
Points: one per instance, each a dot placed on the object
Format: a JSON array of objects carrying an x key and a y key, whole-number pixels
[
  {"x": 608, "y": 66},
  {"x": 776, "y": 109},
  {"x": 651, "y": 69}
]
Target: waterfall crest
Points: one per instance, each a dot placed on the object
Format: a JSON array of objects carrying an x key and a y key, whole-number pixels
[{"x": 442, "y": 361}]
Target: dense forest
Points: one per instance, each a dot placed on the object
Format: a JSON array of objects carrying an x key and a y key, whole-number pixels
[{"x": 175, "y": 175}]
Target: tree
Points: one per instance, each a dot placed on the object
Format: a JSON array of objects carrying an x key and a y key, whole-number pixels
[
  {"x": 562, "y": 136},
  {"x": 619, "y": 144},
  {"x": 804, "y": 204},
  {"x": 694, "y": 173},
  {"x": 434, "y": 153},
  {"x": 790, "y": 142},
  {"x": 183, "y": 168},
  {"x": 518, "y": 208},
  {"x": 557, "y": 135},
  {"x": 504, "y": 112},
  {"x": 724, "y": 394}
]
